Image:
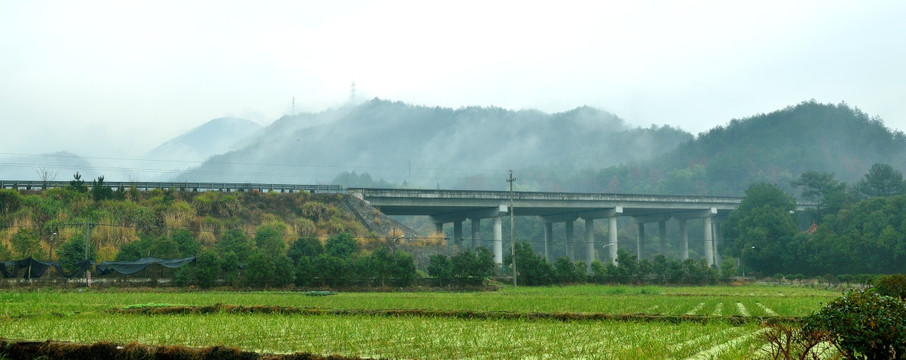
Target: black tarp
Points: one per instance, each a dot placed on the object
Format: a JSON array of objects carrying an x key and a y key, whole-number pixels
[
  {"x": 132, "y": 267},
  {"x": 36, "y": 268}
]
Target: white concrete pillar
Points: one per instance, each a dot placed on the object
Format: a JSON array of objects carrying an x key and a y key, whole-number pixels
[
  {"x": 640, "y": 241},
  {"x": 717, "y": 240},
  {"x": 684, "y": 240},
  {"x": 589, "y": 241},
  {"x": 612, "y": 231},
  {"x": 709, "y": 242},
  {"x": 662, "y": 237},
  {"x": 476, "y": 231},
  {"x": 498, "y": 241},
  {"x": 570, "y": 240},
  {"x": 457, "y": 232},
  {"x": 548, "y": 241}
]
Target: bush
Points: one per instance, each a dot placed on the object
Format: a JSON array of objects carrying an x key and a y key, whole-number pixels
[
  {"x": 864, "y": 324},
  {"x": 440, "y": 268},
  {"x": 891, "y": 285}
]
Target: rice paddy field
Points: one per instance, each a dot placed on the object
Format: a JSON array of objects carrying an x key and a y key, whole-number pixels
[{"x": 640, "y": 322}]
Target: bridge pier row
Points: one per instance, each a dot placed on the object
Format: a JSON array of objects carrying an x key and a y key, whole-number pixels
[
  {"x": 684, "y": 240},
  {"x": 640, "y": 241},
  {"x": 476, "y": 232},
  {"x": 715, "y": 229},
  {"x": 457, "y": 233},
  {"x": 498, "y": 241},
  {"x": 662, "y": 236},
  {"x": 612, "y": 243},
  {"x": 709, "y": 242},
  {"x": 548, "y": 240},
  {"x": 570, "y": 240},
  {"x": 589, "y": 242}
]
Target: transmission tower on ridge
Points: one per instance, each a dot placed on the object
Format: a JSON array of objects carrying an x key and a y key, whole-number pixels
[{"x": 352, "y": 92}]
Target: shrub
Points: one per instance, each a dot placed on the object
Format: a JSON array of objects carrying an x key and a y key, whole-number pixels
[
  {"x": 440, "y": 268},
  {"x": 792, "y": 342},
  {"x": 864, "y": 324},
  {"x": 891, "y": 285}
]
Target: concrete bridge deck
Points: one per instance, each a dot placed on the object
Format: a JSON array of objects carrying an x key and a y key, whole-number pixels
[{"x": 453, "y": 206}]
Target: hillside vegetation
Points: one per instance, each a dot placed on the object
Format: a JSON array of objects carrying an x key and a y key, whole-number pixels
[
  {"x": 775, "y": 148},
  {"x": 433, "y": 146},
  {"x": 121, "y": 217}
]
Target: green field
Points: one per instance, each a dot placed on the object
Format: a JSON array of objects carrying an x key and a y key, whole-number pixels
[{"x": 86, "y": 317}]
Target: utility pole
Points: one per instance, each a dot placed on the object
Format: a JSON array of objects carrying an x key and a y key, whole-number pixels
[
  {"x": 87, "y": 237},
  {"x": 512, "y": 227}
]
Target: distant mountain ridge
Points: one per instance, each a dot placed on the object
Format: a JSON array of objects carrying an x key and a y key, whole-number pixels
[
  {"x": 775, "y": 147},
  {"x": 214, "y": 137},
  {"x": 424, "y": 146}
]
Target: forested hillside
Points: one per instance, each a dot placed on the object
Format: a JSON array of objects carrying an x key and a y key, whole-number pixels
[
  {"x": 428, "y": 147},
  {"x": 159, "y": 223},
  {"x": 776, "y": 148}
]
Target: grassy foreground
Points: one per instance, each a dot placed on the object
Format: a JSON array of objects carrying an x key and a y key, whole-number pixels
[{"x": 87, "y": 317}]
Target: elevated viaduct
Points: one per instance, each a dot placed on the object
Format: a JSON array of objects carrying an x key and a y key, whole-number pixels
[
  {"x": 451, "y": 206},
  {"x": 455, "y": 206}
]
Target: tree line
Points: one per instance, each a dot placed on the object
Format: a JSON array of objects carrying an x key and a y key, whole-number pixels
[{"x": 855, "y": 229}]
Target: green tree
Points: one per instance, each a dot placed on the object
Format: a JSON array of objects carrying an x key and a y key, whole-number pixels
[
  {"x": 440, "y": 268},
  {"x": 305, "y": 247},
  {"x": 237, "y": 242},
  {"x": 386, "y": 267},
  {"x": 133, "y": 251},
  {"x": 468, "y": 264},
  {"x": 187, "y": 244},
  {"x": 207, "y": 268},
  {"x": 762, "y": 225},
  {"x": 265, "y": 271},
  {"x": 230, "y": 268},
  {"x": 305, "y": 271},
  {"x": 403, "y": 269},
  {"x": 342, "y": 245},
  {"x": 568, "y": 272},
  {"x": 269, "y": 239},
  {"x": 5, "y": 254},
  {"x": 484, "y": 265},
  {"x": 10, "y": 202},
  {"x": 531, "y": 269},
  {"x": 73, "y": 252},
  {"x": 25, "y": 242},
  {"x": 333, "y": 270},
  {"x": 164, "y": 248},
  {"x": 823, "y": 189},
  {"x": 259, "y": 271},
  {"x": 628, "y": 268},
  {"x": 882, "y": 180},
  {"x": 99, "y": 191},
  {"x": 77, "y": 184}
]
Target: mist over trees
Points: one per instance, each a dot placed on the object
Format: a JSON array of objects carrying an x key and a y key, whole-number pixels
[
  {"x": 774, "y": 148},
  {"x": 430, "y": 146}
]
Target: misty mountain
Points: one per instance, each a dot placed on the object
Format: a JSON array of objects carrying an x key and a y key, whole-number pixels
[
  {"x": 776, "y": 148},
  {"x": 58, "y": 166},
  {"x": 214, "y": 137},
  {"x": 434, "y": 146}
]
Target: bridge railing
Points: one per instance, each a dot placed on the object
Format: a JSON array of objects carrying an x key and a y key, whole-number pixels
[
  {"x": 193, "y": 186},
  {"x": 527, "y": 195}
]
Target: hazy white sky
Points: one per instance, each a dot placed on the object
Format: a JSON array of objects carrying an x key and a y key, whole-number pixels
[{"x": 120, "y": 77}]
